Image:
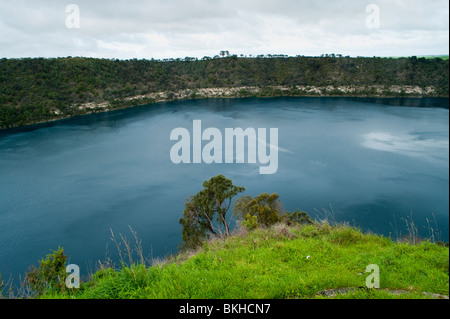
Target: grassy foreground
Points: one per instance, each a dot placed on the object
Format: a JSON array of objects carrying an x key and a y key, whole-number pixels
[{"x": 280, "y": 262}]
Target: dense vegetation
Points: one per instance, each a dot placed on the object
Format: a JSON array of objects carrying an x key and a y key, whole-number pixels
[
  {"x": 205, "y": 214},
  {"x": 37, "y": 89}
]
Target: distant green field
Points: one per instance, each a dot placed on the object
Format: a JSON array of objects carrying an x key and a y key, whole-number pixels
[{"x": 443, "y": 57}]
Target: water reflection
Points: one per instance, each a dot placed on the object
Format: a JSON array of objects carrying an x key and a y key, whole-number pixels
[{"x": 417, "y": 145}]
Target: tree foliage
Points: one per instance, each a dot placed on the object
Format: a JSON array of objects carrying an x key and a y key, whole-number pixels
[
  {"x": 265, "y": 208},
  {"x": 50, "y": 274},
  {"x": 205, "y": 213},
  {"x": 38, "y": 89},
  {"x": 297, "y": 217}
]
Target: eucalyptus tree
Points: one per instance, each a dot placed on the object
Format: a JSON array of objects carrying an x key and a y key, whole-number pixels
[{"x": 205, "y": 213}]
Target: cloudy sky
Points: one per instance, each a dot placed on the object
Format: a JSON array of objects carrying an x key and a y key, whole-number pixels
[{"x": 178, "y": 28}]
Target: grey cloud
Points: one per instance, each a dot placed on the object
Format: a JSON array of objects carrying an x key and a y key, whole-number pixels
[{"x": 177, "y": 28}]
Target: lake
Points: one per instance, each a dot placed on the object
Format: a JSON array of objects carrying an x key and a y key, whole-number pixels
[{"x": 375, "y": 163}]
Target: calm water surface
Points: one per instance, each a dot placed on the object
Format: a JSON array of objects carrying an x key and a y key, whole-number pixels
[{"x": 68, "y": 183}]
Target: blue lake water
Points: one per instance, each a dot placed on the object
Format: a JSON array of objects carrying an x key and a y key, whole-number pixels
[{"x": 371, "y": 162}]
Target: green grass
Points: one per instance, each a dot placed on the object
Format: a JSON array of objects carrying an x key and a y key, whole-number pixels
[
  {"x": 272, "y": 264},
  {"x": 443, "y": 57}
]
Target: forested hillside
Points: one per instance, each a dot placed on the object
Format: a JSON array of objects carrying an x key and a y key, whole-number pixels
[{"x": 37, "y": 89}]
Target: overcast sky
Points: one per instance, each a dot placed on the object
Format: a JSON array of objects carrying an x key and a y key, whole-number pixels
[{"x": 178, "y": 28}]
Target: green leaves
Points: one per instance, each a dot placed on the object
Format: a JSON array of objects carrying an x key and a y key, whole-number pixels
[
  {"x": 50, "y": 274},
  {"x": 265, "y": 208},
  {"x": 61, "y": 82},
  {"x": 205, "y": 213}
]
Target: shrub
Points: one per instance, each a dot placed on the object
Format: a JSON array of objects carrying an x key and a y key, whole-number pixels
[
  {"x": 250, "y": 222},
  {"x": 50, "y": 274},
  {"x": 264, "y": 207},
  {"x": 297, "y": 217}
]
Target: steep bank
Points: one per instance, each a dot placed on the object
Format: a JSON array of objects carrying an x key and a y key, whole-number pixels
[
  {"x": 271, "y": 91},
  {"x": 394, "y": 91},
  {"x": 39, "y": 90}
]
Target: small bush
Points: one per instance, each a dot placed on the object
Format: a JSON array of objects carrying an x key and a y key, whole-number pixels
[
  {"x": 264, "y": 207},
  {"x": 250, "y": 222},
  {"x": 50, "y": 274},
  {"x": 297, "y": 217}
]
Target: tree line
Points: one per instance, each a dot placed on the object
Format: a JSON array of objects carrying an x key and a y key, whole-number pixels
[{"x": 38, "y": 89}]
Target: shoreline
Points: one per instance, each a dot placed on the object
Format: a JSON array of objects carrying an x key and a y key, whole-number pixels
[{"x": 350, "y": 91}]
